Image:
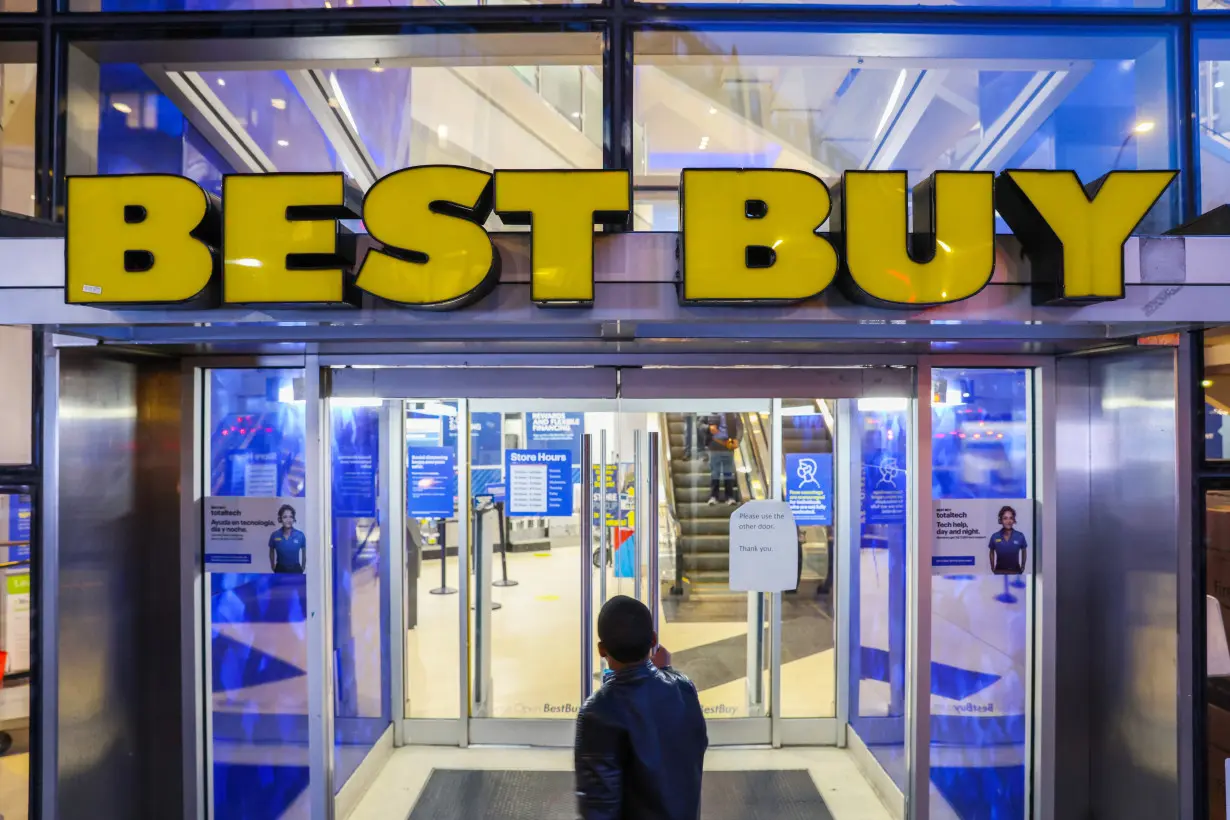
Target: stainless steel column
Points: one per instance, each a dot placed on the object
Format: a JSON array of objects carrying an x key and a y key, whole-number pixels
[
  {"x": 468, "y": 698},
  {"x": 393, "y": 551},
  {"x": 638, "y": 509},
  {"x": 775, "y": 608},
  {"x": 651, "y": 527},
  {"x": 586, "y": 562}
]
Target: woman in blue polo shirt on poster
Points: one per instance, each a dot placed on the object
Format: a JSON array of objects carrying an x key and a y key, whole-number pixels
[
  {"x": 1008, "y": 546},
  {"x": 287, "y": 546}
]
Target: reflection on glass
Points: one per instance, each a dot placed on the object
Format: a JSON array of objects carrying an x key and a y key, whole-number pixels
[
  {"x": 1216, "y": 385},
  {"x": 879, "y": 577},
  {"x": 17, "y": 85},
  {"x": 1217, "y": 726},
  {"x": 981, "y": 463},
  {"x": 430, "y": 605},
  {"x": 15, "y": 655},
  {"x": 258, "y": 689},
  {"x": 808, "y": 636},
  {"x": 360, "y": 616},
  {"x": 828, "y": 102}
]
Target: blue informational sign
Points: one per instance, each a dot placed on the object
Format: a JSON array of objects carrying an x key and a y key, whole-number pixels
[
  {"x": 884, "y": 486},
  {"x": 486, "y": 438},
  {"x": 809, "y": 488},
  {"x": 431, "y": 482},
  {"x": 356, "y": 461},
  {"x": 538, "y": 482},
  {"x": 557, "y": 431},
  {"x": 19, "y": 526},
  {"x": 1214, "y": 439}
]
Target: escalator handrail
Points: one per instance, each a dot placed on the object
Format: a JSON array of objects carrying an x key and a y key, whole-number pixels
[
  {"x": 759, "y": 449},
  {"x": 668, "y": 483}
]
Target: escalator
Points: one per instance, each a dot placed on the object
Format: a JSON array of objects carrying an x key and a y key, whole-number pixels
[{"x": 699, "y": 532}]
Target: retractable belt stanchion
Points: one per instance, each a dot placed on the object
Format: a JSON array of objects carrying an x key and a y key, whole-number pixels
[
  {"x": 444, "y": 588},
  {"x": 505, "y": 537},
  {"x": 478, "y": 545}
]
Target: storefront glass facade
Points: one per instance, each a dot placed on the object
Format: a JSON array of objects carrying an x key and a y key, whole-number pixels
[{"x": 208, "y": 88}]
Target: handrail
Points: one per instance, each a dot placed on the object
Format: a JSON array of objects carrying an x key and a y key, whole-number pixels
[
  {"x": 673, "y": 530},
  {"x": 759, "y": 448}
]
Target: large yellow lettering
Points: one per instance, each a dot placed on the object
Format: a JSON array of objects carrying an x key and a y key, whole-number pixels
[
  {"x": 436, "y": 253},
  {"x": 955, "y": 210},
  {"x": 1074, "y": 238},
  {"x": 138, "y": 238},
  {"x": 281, "y": 238},
  {"x": 750, "y": 236},
  {"x": 562, "y": 207}
]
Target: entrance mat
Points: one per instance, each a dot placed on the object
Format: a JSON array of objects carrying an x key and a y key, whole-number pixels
[{"x": 452, "y": 794}]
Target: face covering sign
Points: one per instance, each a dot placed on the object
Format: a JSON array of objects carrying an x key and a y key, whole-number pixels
[
  {"x": 258, "y": 535},
  {"x": 983, "y": 536}
]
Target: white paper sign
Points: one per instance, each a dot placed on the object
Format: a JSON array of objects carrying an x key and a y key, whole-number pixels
[
  {"x": 247, "y": 534},
  {"x": 983, "y": 536},
  {"x": 764, "y": 547},
  {"x": 527, "y": 488}
]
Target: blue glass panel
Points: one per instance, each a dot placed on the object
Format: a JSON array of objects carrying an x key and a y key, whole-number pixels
[
  {"x": 140, "y": 131},
  {"x": 258, "y": 641},
  {"x": 360, "y": 590},
  {"x": 920, "y": 100},
  {"x": 980, "y": 656},
  {"x": 1213, "y": 122},
  {"x": 879, "y": 579}
]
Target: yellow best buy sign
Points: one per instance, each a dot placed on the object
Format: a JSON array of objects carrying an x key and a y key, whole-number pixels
[{"x": 747, "y": 236}]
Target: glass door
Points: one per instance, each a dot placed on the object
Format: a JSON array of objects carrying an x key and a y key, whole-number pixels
[{"x": 591, "y": 499}]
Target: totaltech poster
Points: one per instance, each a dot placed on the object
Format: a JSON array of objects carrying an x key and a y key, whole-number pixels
[
  {"x": 983, "y": 536},
  {"x": 255, "y": 535}
]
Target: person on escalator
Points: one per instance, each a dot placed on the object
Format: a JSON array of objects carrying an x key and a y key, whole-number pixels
[
  {"x": 722, "y": 434},
  {"x": 641, "y": 738}
]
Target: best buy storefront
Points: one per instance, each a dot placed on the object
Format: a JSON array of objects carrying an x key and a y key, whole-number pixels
[{"x": 209, "y": 368}]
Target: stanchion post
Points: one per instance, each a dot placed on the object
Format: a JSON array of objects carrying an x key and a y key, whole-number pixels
[
  {"x": 442, "y": 540},
  {"x": 505, "y": 537}
]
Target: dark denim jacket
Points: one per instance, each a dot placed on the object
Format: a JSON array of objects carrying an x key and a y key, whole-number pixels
[{"x": 640, "y": 748}]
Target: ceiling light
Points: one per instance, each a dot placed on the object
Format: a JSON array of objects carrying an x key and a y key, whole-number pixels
[
  {"x": 712, "y": 110},
  {"x": 123, "y": 108},
  {"x": 278, "y": 103},
  {"x": 1143, "y": 127},
  {"x": 576, "y": 115},
  {"x": 221, "y": 81},
  {"x": 1207, "y": 383},
  {"x": 283, "y": 143},
  {"x": 442, "y": 132}
]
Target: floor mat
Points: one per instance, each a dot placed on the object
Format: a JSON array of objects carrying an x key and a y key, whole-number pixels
[{"x": 520, "y": 795}]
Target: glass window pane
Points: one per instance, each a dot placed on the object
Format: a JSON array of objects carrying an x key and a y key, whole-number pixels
[
  {"x": 433, "y": 688},
  {"x": 16, "y": 396},
  {"x": 245, "y": 5},
  {"x": 982, "y": 488},
  {"x": 957, "y": 98},
  {"x": 360, "y": 578},
  {"x": 1217, "y": 689},
  {"x": 254, "y": 447},
  {"x": 18, "y": 73},
  {"x": 15, "y": 655},
  {"x": 363, "y": 106},
  {"x": 879, "y": 570},
  {"x": 1213, "y": 106},
  {"x": 808, "y": 636},
  {"x": 1216, "y": 385}
]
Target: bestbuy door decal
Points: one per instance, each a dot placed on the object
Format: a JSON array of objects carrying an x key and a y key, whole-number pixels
[{"x": 747, "y": 236}]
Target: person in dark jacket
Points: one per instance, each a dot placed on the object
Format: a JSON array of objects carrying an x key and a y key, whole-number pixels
[
  {"x": 721, "y": 438},
  {"x": 641, "y": 738}
]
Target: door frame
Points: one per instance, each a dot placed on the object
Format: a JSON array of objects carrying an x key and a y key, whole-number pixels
[{"x": 612, "y": 389}]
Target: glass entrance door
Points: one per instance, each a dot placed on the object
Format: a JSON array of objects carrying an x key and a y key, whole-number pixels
[{"x": 597, "y": 498}]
